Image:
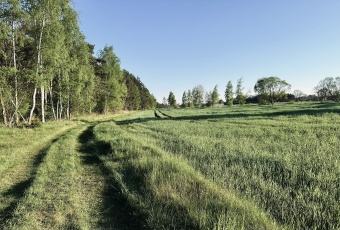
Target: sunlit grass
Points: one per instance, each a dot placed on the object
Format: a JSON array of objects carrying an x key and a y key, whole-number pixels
[
  {"x": 287, "y": 161},
  {"x": 169, "y": 192},
  {"x": 20, "y": 152},
  {"x": 240, "y": 167},
  {"x": 47, "y": 183}
]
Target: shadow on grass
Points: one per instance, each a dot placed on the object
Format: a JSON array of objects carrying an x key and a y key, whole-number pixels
[
  {"x": 17, "y": 191},
  {"x": 116, "y": 212}
]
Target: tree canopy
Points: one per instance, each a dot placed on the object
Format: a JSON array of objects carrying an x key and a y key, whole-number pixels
[
  {"x": 328, "y": 88},
  {"x": 172, "y": 99},
  {"x": 271, "y": 89},
  {"x": 240, "y": 98},
  {"x": 229, "y": 93},
  {"x": 48, "y": 70}
]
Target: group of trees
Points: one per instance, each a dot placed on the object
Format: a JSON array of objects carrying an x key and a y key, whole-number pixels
[
  {"x": 269, "y": 90},
  {"x": 48, "y": 71},
  {"x": 194, "y": 97},
  {"x": 138, "y": 96},
  {"x": 229, "y": 94},
  {"x": 212, "y": 97},
  {"x": 328, "y": 89}
]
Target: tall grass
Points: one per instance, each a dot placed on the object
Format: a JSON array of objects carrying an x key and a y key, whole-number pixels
[
  {"x": 284, "y": 158},
  {"x": 240, "y": 167},
  {"x": 168, "y": 191}
]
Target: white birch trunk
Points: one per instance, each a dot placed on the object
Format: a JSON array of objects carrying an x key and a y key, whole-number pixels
[
  {"x": 38, "y": 69},
  {"x": 51, "y": 98},
  {"x": 15, "y": 78},
  {"x": 4, "y": 114},
  {"x": 33, "y": 106},
  {"x": 42, "y": 90}
]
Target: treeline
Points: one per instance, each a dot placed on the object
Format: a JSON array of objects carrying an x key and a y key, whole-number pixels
[
  {"x": 48, "y": 71},
  {"x": 138, "y": 96},
  {"x": 269, "y": 90}
]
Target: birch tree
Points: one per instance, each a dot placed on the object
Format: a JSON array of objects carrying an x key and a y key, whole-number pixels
[
  {"x": 45, "y": 28},
  {"x": 12, "y": 17}
]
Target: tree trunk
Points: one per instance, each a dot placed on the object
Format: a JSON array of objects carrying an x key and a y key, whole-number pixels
[
  {"x": 38, "y": 69},
  {"x": 60, "y": 105},
  {"x": 60, "y": 102},
  {"x": 42, "y": 89},
  {"x": 68, "y": 109},
  {"x": 61, "y": 109},
  {"x": 15, "y": 78},
  {"x": 57, "y": 117},
  {"x": 4, "y": 114},
  {"x": 51, "y": 98},
  {"x": 33, "y": 106}
]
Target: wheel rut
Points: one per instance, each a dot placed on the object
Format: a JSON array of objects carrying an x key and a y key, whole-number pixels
[
  {"x": 109, "y": 209},
  {"x": 68, "y": 187},
  {"x": 22, "y": 174}
]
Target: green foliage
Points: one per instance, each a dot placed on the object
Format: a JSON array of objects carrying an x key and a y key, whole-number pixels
[
  {"x": 138, "y": 96},
  {"x": 240, "y": 98},
  {"x": 56, "y": 73},
  {"x": 172, "y": 99},
  {"x": 214, "y": 96},
  {"x": 185, "y": 100},
  {"x": 229, "y": 94},
  {"x": 328, "y": 88},
  {"x": 190, "y": 99},
  {"x": 133, "y": 98},
  {"x": 197, "y": 94},
  {"x": 271, "y": 89},
  {"x": 112, "y": 86}
]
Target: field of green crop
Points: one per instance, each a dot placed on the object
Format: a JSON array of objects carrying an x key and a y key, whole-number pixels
[{"x": 249, "y": 167}]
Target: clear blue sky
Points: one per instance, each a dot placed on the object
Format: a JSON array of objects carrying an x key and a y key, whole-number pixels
[{"x": 174, "y": 45}]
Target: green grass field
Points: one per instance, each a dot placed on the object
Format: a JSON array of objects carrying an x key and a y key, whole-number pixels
[{"x": 249, "y": 167}]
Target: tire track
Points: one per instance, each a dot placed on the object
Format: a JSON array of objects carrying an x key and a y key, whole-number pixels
[
  {"x": 20, "y": 177},
  {"x": 69, "y": 188},
  {"x": 107, "y": 206}
]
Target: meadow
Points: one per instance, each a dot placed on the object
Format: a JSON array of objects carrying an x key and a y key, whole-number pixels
[{"x": 239, "y": 167}]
